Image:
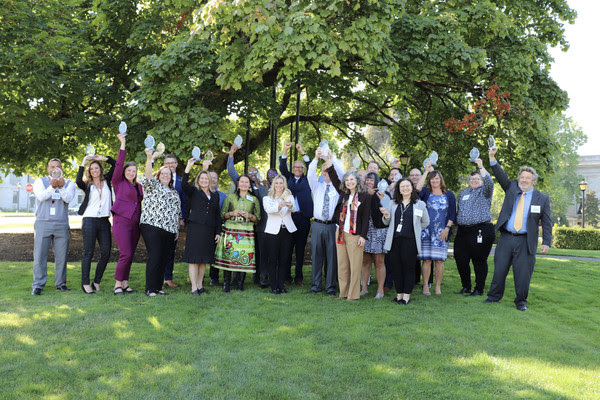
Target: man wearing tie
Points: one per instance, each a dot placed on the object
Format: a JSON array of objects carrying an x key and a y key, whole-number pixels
[
  {"x": 322, "y": 241},
  {"x": 518, "y": 222},
  {"x": 299, "y": 187}
]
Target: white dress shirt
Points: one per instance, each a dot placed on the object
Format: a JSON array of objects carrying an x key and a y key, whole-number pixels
[{"x": 318, "y": 190}]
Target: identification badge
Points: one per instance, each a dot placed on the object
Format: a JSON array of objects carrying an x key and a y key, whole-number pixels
[
  {"x": 332, "y": 193},
  {"x": 52, "y": 210},
  {"x": 55, "y": 196},
  {"x": 418, "y": 213},
  {"x": 399, "y": 228},
  {"x": 466, "y": 197},
  {"x": 535, "y": 209},
  {"x": 248, "y": 197},
  {"x": 479, "y": 238}
]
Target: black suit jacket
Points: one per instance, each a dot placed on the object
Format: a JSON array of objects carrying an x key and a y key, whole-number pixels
[
  {"x": 300, "y": 190},
  {"x": 85, "y": 186},
  {"x": 511, "y": 189}
]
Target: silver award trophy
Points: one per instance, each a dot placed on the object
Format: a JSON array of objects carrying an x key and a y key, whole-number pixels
[
  {"x": 433, "y": 157},
  {"x": 209, "y": 156},
  {"x": 160, "y": 148},
  {"x": 425, "y": 162},
  {"x": 385, "y": 201},
  {"x": 90, "y": 151},
  {"x": 356, "y": 162},
  {"x": 196, "y": 153},
  {"x": 382, "y": 186},
  {"x": 491, "y": 142},
  {"x": 238, "y": 141},
  {"x": 474, "y": 154},
  {"x": 123, "y": 128},
  {"x": 57, "y": 173},
  {"x": 149, "y": 142},
  {"x": 324, "y": 145}
]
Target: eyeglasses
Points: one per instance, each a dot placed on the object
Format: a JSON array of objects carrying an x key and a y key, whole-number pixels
[
  {"x": 252, "y": 172},
  {"x": 170, "y": 162},
  {"x": 298, "y": 166}
]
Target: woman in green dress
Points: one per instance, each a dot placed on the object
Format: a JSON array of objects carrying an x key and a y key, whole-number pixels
[{"x": 235, "y": 251}]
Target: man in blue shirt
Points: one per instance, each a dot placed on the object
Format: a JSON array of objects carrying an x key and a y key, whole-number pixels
[{"x": 522, "y": 211}]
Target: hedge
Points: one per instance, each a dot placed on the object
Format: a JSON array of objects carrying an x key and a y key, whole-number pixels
[{"x": 576, "y": 238}]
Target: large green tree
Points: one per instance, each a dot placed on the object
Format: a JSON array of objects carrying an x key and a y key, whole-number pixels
[{"x": 194, "y": 73}]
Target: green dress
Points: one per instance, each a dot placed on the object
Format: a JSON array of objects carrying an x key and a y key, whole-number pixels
[{"x": 235, "y": 251}]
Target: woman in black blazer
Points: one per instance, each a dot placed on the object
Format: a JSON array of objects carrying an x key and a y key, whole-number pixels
[
  {"x": 204, "y": 225},
  {"x": 95, "y": 209},
  {"x": 352, "y": 217}
]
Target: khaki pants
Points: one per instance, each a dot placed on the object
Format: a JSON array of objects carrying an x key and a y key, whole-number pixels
[{"x": 350, "y": 257}]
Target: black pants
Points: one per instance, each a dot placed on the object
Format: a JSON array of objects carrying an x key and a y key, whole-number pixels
[
  {"x": 169, "y": 266},
  {"x": 300, "y": 238},
  {"x": 262, "y": 272},
  {"x": 92, "y": 229},
  {"x": 159, "y": 244},
  {"x": 403, "y": 257},
  {"x": 279, "y": 256},
  {"x": 466, "y": 249}
]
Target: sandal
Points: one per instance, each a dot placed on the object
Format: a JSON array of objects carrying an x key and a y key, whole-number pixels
[
  {"x": 129, "y": 290},
  {"x": 118, "y": 288},
  {"x": 151, "y": 294}
]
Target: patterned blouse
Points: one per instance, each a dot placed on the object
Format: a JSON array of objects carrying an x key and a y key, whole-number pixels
[{"x": 161, "y": 207}]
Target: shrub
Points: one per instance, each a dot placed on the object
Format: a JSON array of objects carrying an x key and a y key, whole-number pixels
[{"x": 576, "y": 238}]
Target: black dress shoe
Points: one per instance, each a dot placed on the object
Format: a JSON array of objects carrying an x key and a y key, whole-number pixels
[
  {"x": 215, "y": 282},
  {"x": 37, "y": 291},
  {"x": 314, "y": 291},
  {"x": 282, "y": 291},
  {"x": 202, "y": 290},
  {"x": 474, "y": 293},
  {"x": 488, "y": 300},
  {"x": 395, "y": 300},
  {"x": 463, "y": 291},
  {"x": 63, "y": 288},
  {"x": 226, "y": 287},
  {"x": 275, "y": 291},
  {"x": 332, "y": 293},
  {"x": 522, "y": 307},
  {"x": 195, "y": 292}
]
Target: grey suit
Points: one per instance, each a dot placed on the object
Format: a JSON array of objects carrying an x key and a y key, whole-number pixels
[{"x": 518, "y": 250}]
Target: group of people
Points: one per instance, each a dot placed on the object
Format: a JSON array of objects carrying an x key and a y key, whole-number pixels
[{"x": 402, "y": 227}]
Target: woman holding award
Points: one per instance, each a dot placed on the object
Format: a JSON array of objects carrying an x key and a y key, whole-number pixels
[
  {"x": 95, "y": 210},
  {"x": 126, "y": 210},
  {"x": 159, "y": 223},
  {"x": 235, "y": 251},
  {"x": 279, "y": 206},
  {"x": 204, "y": 224},
  {"x": 441, "y": 206}
]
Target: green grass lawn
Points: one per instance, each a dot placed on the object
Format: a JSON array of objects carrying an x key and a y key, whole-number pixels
[
  {"x": 255, "y": 345},
  {"x": 573, "y": 253}
]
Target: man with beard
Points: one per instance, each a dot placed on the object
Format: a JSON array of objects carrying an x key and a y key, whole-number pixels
[{"x": 519, "y": 221}]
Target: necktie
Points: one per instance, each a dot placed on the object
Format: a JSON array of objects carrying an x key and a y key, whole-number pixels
[
  {"x": 519, "y": 214},
  {"x": 326, "y": 204}
]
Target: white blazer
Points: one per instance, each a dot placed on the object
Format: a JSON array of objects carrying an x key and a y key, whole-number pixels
[{"x": 276, "y": 217}]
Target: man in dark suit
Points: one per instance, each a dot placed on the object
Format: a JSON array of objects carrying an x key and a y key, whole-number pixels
[
  {"x": 171, "y": 162},
  {"x": 518, "y": 222},
  {"x": 298, "y": 185}
]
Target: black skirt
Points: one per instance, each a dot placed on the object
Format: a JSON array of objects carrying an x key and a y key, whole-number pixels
[{"x": 199, "y": 244}]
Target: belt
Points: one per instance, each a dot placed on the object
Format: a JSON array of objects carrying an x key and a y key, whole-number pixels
[
  {"x": 474, "y": 225},
  {"x": 324, "y": 222},
  {"x": 514, "y": 234},
  {"x": 296, "y": 212}
]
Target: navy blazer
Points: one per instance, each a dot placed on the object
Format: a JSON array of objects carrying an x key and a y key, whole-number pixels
[
  {"x": 511, "y": 190},
  {"x": 85, "y": 186},
  {"x": 300, "y": 190},
  {"x": 182, "y": 196}
]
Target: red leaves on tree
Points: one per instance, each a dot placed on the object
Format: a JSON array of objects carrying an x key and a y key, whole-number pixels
[{"x": 493, "y": 103}]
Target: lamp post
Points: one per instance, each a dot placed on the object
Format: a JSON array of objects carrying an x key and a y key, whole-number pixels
[
  {"x": 404, "y": 160},
  {"x": 583, "y": 186}
]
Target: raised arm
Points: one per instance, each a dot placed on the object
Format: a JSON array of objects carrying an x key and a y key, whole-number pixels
[
  {"x": 311, "y": 173},
  {"x": 118, "y": 172},
  {"x": 421, "y": 183},
  {"x": 283, "y": 169},
  {"x": 233, "y": 174},
  {"x": 499, "y": 173},
  {"x": 187, "y": 188}
]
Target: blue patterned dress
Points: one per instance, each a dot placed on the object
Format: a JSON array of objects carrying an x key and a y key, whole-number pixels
[{"x": 432, "y": 248}]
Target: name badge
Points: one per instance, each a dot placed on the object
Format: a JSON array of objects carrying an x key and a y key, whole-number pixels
[
  {"x": 535, "y": 209},
  {"x": 248, "y": 197},
  {"x": 332, "y": 193},
  {"x": 399, "y": 228},
  {"x": 52, "y": 210},
  {"x": 466, "y": 197},
  {"x": 418, "y": 213},
  {"x": 55, "y": 196}
]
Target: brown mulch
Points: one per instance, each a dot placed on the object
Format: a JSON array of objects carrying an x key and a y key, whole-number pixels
[{"x": 19, "y": 247}]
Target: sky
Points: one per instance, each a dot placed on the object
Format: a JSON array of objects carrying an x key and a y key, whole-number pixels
[{"x": 577, "y": 71}]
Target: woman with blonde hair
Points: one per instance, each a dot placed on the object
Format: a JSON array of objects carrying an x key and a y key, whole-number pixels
[
  {"x": 204, "y": 225},
  {"x": 279, "y": 205}
]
